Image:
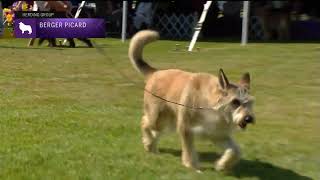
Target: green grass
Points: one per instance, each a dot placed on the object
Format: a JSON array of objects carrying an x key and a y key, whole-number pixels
[{"x": 70, "y": 114}]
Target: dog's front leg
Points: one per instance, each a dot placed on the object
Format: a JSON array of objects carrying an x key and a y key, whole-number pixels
[
  {"x": 189, "y": 156},
  {"x": 230, "y": 156}
]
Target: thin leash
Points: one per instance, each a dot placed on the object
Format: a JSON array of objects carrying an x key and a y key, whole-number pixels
[{"x": 110, "y": 60}]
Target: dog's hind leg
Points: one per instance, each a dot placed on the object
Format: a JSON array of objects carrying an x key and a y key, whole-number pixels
[
  {"x": 230, "y": 156},
  {"x": 156, "y": 136},
  {"x": 150, "y": 136}
]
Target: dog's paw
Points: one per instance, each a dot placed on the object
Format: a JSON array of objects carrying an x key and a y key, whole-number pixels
[
  {"x": 219, "y": 168},
  {"x": 193, "y": 166},
  {"x": 151, "y": 148},
  {"x": 199, "y": 171},
  {"x": 222, "y": 167}
]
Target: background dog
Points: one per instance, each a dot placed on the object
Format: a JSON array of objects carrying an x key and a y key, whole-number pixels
[{"x": 228, "y": 106}]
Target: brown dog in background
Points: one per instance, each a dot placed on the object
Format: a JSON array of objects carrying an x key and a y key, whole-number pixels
[{"x": 227, "y": 106}]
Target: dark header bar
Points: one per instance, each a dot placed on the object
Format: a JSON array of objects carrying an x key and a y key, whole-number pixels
[{"x": 39, "y": 14}]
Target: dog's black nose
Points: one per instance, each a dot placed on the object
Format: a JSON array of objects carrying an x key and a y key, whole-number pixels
[{"x": 248, "y": 119}]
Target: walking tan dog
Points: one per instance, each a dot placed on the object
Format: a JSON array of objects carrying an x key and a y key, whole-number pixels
[{"x": 226, "y": 106}]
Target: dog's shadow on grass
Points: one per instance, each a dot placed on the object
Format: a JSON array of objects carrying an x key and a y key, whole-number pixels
[{"x": 246, "y": 168}]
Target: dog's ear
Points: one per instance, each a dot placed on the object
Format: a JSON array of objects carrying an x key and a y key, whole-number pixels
[
  {"x": 223, "y": 80},
  {"x": 245, "y": 80}
]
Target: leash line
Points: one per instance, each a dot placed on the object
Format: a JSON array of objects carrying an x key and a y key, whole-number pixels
[{"x": 103, "y": 53}]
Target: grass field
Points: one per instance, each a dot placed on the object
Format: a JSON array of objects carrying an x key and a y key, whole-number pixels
[{"x": 69, "y": 113}]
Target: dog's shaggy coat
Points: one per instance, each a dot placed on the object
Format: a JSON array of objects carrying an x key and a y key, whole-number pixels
[{"x": 226, "y": 106}]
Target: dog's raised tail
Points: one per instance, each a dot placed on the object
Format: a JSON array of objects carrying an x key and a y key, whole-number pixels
[{"x": 138, "y": 41}]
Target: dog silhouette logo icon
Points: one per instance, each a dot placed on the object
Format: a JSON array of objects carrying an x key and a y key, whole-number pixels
[{"x": 25, "y": 28}]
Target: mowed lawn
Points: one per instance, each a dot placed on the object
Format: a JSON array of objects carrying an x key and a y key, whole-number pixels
[{"x": 70, "y": 114}]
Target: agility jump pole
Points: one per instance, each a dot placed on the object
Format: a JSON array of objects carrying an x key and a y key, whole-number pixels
[
  {"x": 76, "y": 16},
  {"x": 245, "y": 19},
  {"x": 124, "y": 20},
  {"x": 199, "y": 25}
]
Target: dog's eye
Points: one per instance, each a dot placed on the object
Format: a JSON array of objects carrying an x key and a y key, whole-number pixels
[{"x": 235, "y": 103}]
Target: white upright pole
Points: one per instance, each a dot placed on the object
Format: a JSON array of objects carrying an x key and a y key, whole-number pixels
[
  {"x": 124, "y": 20},
  {"x": 245, "y": 19},
  {"x": 199, "y": 25}
]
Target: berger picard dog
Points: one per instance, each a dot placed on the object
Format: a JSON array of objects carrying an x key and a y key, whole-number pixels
[{"x": 228, "y": 106}]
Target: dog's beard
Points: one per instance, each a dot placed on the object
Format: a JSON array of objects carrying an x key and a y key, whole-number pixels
[
  {"x": 232, "y": 116},
  {"x": 226, "y": 112},
  {"x": 237, "y": 119}
]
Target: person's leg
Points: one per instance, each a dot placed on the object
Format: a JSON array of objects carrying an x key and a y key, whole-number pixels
[
  {"x": 71, "y": 42},
  {"x": 52, "y": 42},
  {"x": 41, "y": 41}
]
